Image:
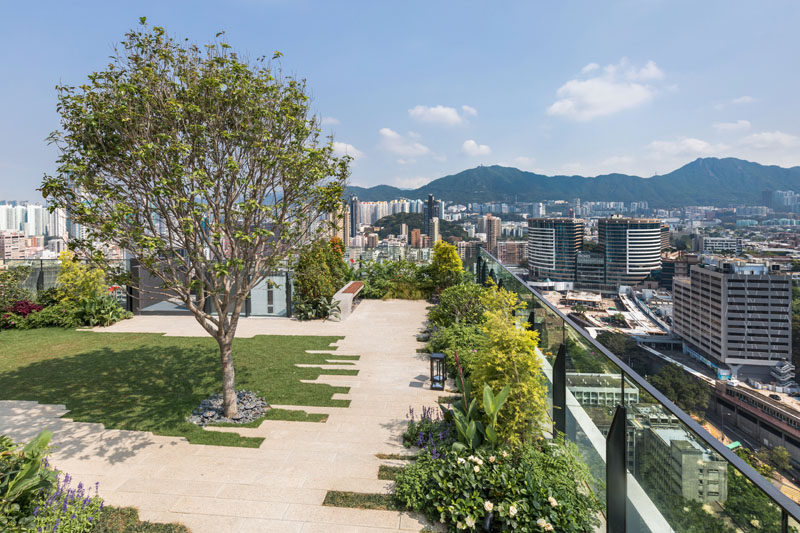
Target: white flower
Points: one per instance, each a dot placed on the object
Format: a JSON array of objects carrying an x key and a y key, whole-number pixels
[
  {"x": 505, "y": 453},
  {"x": 471, "y": 457},
  {"x": 541, "y": 522},
  {"x": 488, "y": 505},
  {"x": 512, "y": 511},
  {"x": 491, "y": 458},
  {"x": 470, "y": 521},
  {"x": 461, "y": 460},
  {"x": 552, "y": 501},
  {"x": 459, "y": 525},
  {"x": 548, "y": 527},
  {"x": 479, "y": 461},
  {"x": 477, "y": 469}
]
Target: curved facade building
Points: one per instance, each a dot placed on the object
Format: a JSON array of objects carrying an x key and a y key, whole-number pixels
[
  {"x": 632, "y": 248},
  {"x": 553, "y": 246}
]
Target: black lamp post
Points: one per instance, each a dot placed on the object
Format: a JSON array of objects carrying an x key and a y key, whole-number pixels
[{"x": 437, "y": 371}]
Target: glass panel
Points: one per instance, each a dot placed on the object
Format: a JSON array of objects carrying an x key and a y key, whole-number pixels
[
  {"x": 268, "y": 298},
  {"x": 681, "y": 481}
]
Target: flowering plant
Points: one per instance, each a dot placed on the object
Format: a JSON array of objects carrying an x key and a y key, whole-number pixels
[
  {"x": 537, "y": 487},
  {"x": 24, "y": 308}
]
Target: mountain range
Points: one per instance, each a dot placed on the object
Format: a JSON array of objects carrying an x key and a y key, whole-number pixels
[{"x": 705, "y": 181}]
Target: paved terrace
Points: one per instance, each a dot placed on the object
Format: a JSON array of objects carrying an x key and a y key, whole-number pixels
[{"x": 281, "y": 485}]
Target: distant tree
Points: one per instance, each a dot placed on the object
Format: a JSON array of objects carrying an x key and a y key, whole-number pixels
[
  {"x": 780, "y": 458},
  {"x": 592, "y": 246},
  {"x": 616, "y": 343},
  {"x": 11, "y": 285},
  {"x": 206, "y": 167},
  {"x": 687, "y": 391}
]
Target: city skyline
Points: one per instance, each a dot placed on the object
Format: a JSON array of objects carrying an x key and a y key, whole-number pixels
[{"x": 557, "y": 90}]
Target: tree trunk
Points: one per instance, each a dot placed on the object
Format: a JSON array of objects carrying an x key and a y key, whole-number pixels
[{"x": 228, "y": 382}]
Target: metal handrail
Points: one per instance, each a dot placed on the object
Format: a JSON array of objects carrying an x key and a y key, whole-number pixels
[{"x": 748, "y": 471}]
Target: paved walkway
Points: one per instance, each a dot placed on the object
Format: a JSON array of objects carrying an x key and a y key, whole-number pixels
[{"x": 279, "y": 486}]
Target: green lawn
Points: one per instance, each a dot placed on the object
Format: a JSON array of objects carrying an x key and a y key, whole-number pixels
[{"x": 149, "y": 382}]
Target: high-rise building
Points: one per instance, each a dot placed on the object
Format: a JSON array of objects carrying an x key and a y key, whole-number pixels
[
  {"x": 12, "y": 244},
  {"x": 494, "y": 228},
  {"x": 553, "y": 246},
  {"x": 404, "y": 230},
  {"x": 511, "y": 252},
  {"x": 416, "y": 238},
  {"x": 372, "y": 240},
  {"x": 632, "y": 248},
  {"x": 355, "y": 216},
  {"x": 733, "y": 313},
  {"x": 431, "y": 209},
  {"x": 434, "y": 234}
]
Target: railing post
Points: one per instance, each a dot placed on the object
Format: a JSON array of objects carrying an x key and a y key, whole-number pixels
[
  {"x": 560, "y": 391},
  {"x": 616, "y": 473},
  {"x": 784, "y": 521}
]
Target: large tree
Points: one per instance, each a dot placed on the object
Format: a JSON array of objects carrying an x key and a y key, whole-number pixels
[{"x": 207, "y": 167}]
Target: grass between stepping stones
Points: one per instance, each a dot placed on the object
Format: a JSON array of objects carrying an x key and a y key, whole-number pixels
[
  {"x": 360, "y": 500},
  {"x": 398, "y": 456},
  {"x": 149, "y": 382},
  {"x": 291, "y": 415},
  {"x": 388, "y": 473},
  {"x": 113, "y": 519}
]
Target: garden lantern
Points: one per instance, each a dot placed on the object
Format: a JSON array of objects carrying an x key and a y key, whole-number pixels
[{"x": 437, "y": 371}]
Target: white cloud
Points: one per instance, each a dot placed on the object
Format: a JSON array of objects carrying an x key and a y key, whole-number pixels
[
  {"x": 470, "y": 147},
  {"x": 618, "y": 87},
  {"x": 524, "y": 163},
  {"x": 732, "y": 126},
  {"x": 616, "y": 163},
  {"x": 766, "y": 140},
  {"x": 469, "y": 110},
  {"x": 438, "y": 114},
  {"x": 340, "y": 149},
  {"x": 329, "y": 121},
  {"x": 573, "y": 167},
  {"x": 411, "y": 182},
  {"x": 397, "y": 144},
  {"x": 685, "y": 147},
  {"x": 743, "y": 100}
]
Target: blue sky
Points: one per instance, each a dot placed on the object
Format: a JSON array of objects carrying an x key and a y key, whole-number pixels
[{"x": 418, "y": 90}]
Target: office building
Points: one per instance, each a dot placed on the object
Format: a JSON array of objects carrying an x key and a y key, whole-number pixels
[
  {"x": 553, "y": 246},
  {"x": 632, "y": 248},
  {"x": 734, "y": 314}
]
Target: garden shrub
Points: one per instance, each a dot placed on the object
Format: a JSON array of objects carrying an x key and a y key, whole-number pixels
[
  {"x": 64, "y": 508},
  {"x": 430, "y": 432},
  {"x": 524, "y": 488},
  {"x": 319, "y": 273},
  {"x": 77, "y": 282},
  {"x": 463, "y": 339},
  {"x": 445, "y": 269},
  {"x": 23, "y": 308},
  {"x": 54, "y": 316},
  {"x": 11, "y": 289},
  {"x": 24, "y": 475},
  {"x": 508, "y": 357},
  {"x": 101, "y": 310},
  {"x": 459, "y": 304},
  {"x": 393, "y": 279}
]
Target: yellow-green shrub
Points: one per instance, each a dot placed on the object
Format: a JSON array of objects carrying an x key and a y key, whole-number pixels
[
  {"x": 77, "y": 281},
  {"x": 508, "y": 357}
]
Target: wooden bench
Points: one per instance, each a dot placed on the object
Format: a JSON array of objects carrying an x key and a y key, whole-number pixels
[{"x": 346, "y": 296}]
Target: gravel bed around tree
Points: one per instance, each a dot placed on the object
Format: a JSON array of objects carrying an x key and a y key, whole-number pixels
[{"x": 210, "y": 411}]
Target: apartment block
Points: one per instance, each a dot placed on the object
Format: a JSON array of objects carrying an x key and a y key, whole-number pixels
[
  {"x": 632, "y": 248},
  {"x": 734, "y": 313}
]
